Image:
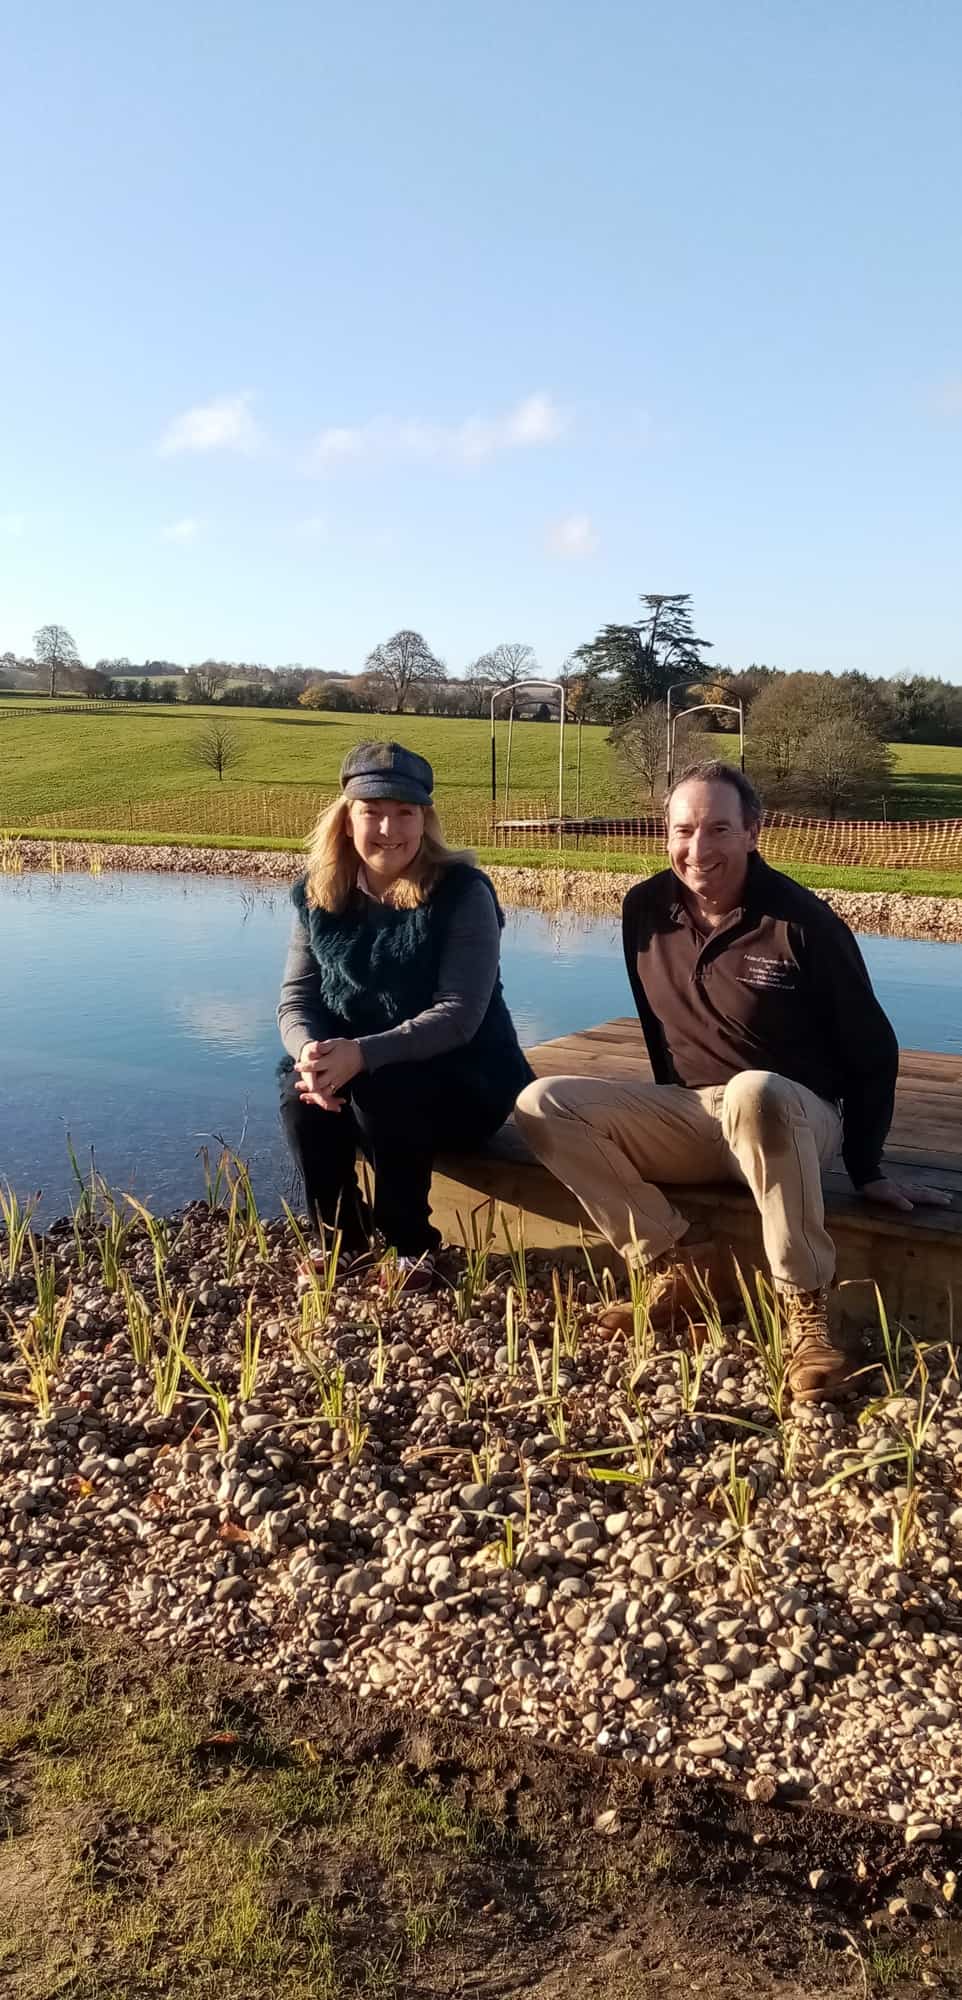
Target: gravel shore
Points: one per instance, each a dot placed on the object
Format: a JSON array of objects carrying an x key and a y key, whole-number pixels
[
  {"x": 585, "y": 891},
  {"x": 634, "y": 1554}
]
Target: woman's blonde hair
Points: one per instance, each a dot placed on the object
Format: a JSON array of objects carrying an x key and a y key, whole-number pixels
[{"x": 332, "y": 862}]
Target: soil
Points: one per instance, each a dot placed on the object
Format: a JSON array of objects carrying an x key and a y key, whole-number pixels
[{"x": 458, "y": 1861}]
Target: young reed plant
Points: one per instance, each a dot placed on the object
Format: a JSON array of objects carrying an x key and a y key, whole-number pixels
[
  {"x": 476, "y": 1240},
  {"x": 39, "y": 1339},
  {"x": 549, "y": 1392},
  {"x": 175, "y": 1312},
  {"x": 766, "y": 1333},
  {"x": 214, "y": 1179},
  {"x": 565, "y": 1312},
  {"x": 512, "y": 1541},
  {"x": 111, "y": 1239},
  {"x": 468, "y": 1388},
  {"x": 16, "y": 1216},
  {"x": 691, "y": 1368},
  {"x": 517, "y": 1258},
  {"x": 737, "y": 1500},
  {"x": 642, "y": 1450},
  {"x": 140, "y": 1322},
  {"x": 159, "y": 1234},
  {"x": 167, "y": 1366},
  {"x": 899, "y": 1351},
  {"x": 85, "y": 1206},
  {"x": 511, "y": 1334},
  {"x": 217, "y": 1400},
  {"x": 250, "y": 1353},
  {"x": 603, "y": 1285}
]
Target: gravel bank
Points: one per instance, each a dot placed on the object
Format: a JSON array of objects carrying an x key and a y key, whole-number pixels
[
  {"x": 586, "y": 892},
  {"x": 401, "y": 1509}
]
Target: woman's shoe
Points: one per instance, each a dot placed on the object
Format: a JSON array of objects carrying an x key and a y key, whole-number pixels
[
  {"x": 410, "y": 1274},
  {"x": 350, "y": 1263}
]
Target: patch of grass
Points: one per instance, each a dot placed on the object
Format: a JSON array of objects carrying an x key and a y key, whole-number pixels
[
  {"x": 149, "y": 759},
  {"x": 255, "y": 1835},
  {"x": 888, "y": 1965}
]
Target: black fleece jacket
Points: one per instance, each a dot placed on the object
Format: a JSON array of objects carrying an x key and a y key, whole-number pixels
[{"x": 782, "y": 987}]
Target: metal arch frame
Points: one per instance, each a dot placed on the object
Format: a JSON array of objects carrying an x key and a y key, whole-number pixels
[
  {"x": 700, "y": 708},
  {"x": 516, "y": 687}
]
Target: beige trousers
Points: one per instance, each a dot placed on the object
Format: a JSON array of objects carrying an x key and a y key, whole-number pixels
[{"x": 609, "y": 1141}]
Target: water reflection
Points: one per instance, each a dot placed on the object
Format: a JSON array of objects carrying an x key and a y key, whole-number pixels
[{"x": 137, "y": 1011}]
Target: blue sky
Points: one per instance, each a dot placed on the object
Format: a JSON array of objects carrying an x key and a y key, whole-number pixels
[{"x": 482, "y": 317}]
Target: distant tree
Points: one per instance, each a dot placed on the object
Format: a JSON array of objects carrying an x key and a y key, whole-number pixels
[
  {"x": 640, "y": 743},
  {"x": 402, "y": 661},
  {"x": 217, "y": 748},
  {"x": 334, "y": 695},
  {"x": 843, "y": 766},
  {"x": 206, "y": 681},
  {"x": 91, "y": 682},
  {"x": 795, "y": 722},
  {"x": 426, "y": 697},
  {"x": 115, "y": 668},
  {"x": 373, "y": 693},
  {"x": 504, "y": 665},
  {"x": 56, "y": 653},
  {"x": 645, "y": 658}
]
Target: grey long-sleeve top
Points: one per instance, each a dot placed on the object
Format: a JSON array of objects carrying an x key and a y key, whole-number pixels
[{"x": 466, "y": 974}]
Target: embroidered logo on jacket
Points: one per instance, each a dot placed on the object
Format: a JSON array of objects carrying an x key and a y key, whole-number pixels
[{"x": 759, "y": 971}]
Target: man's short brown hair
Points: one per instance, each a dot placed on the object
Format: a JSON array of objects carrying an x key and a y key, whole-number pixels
[{"x": 716, "y": 771}]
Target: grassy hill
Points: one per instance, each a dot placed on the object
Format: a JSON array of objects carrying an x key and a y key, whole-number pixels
[{"x": 99, "y": 765}]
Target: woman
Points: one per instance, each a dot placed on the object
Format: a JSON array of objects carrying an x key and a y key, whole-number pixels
[{"x": 391, "y": 1007}]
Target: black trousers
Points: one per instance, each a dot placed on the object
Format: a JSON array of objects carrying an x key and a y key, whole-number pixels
[{"x": 400, "y": 1117}]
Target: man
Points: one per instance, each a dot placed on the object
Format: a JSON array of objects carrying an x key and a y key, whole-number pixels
[{"x": 770, "y": 1054}]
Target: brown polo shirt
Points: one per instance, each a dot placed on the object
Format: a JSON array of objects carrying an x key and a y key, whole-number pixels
[{"x": 781, "y": 987}]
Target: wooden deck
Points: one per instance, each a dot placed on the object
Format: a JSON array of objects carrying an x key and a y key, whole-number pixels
[{"x": 916, "y": 1259}]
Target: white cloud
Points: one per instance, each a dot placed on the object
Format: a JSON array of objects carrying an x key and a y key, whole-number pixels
[
  {"x": 537, "y": 420},
  {"x": 12, "y": 525},
  {"x": 225, "y": 424},
  {"x": 315, "y": 528},
  {"x": 186, "y": 530},
  {"x": 572, "y": 538}
]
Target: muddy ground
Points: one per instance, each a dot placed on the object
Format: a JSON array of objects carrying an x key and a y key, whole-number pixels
[{"x": 164, "y": 1831}]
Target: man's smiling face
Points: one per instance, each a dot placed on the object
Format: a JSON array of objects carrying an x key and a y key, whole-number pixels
[{"x": 709, "y": 842}]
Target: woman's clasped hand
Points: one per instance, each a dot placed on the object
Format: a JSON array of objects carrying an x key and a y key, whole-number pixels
[{"x": 323, "y": 1068}]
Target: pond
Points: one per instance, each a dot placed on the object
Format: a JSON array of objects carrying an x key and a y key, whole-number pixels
[{"x": 137, "y": 1015}]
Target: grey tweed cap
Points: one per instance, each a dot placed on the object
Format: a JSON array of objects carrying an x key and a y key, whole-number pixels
[{"x": 387, "y": 771}]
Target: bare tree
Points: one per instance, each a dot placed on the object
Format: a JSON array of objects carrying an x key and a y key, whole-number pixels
[
  {"x": 402, "y": 661},
  {"x": 204, "y": 682},
  {"x": 217, "y": 748},
  {"x": 56, "y": 652},
  {"x": 640, "y": 743}
]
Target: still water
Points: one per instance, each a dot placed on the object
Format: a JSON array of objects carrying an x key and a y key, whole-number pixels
[{"x": 137, "y": 1014}]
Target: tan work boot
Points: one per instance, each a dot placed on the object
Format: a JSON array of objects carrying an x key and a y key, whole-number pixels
[
  {"x": 673, "y": 1281},
  {"x": 818, "y": 1364}
]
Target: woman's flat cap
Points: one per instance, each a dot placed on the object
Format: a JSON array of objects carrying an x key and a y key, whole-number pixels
[{"x": 387, "y": 771}]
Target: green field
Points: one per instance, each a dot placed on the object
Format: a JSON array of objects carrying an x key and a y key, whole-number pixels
[{"x": 94, "y": 760}]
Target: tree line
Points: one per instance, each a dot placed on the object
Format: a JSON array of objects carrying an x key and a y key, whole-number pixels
[{"x": 814, "y": 740}]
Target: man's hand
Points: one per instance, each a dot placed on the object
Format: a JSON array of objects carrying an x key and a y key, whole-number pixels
[
  {"x": 323, "y": 1068},
  {"x": 905, "y": 1194}
]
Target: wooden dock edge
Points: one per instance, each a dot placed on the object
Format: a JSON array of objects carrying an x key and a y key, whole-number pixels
[{"x": 916, "y": 1263}]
